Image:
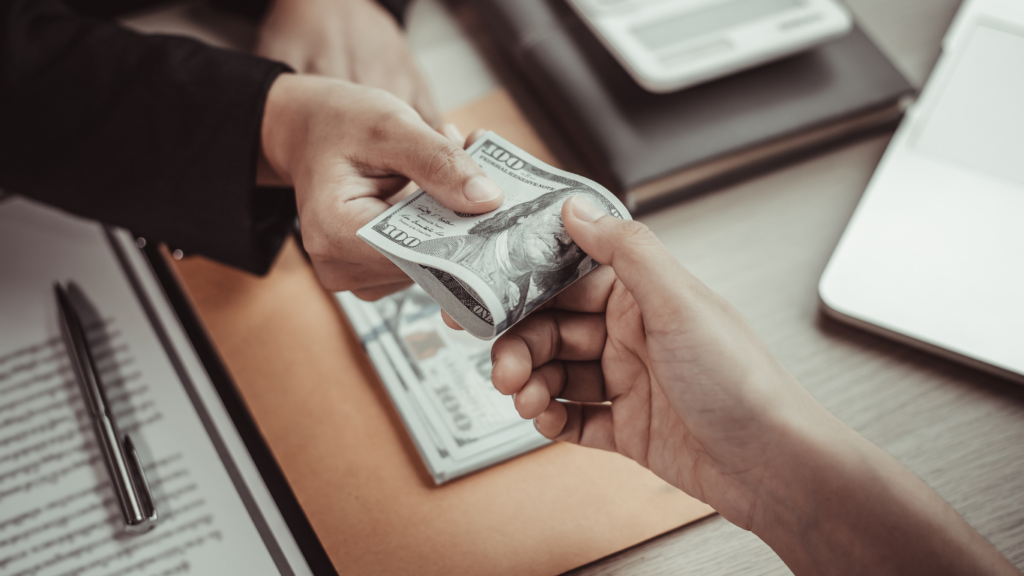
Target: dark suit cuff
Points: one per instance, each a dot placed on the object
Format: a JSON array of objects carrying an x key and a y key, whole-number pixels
[
  {"x": 257, "y": 9},
  {"x": 252, "y": 9},
  {"x": 239, "y": 223},
  {"x": 397, "y": 8}
]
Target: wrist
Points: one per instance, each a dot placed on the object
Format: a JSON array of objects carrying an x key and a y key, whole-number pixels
[
  {"x": 295, "y": 104},
  {"x": 848, "y": 507},
  {"x": 767, "y": 431},
  {"x": 817, "y": 456},
  {"x": 276, "y": 132},
  {"x": 836, "y": 497}
]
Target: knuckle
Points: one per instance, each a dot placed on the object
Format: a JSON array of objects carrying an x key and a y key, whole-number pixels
[
  {"x": 631, "y": 240},
  {"x": 637, "y": 233},
  {"x": 321, "y": 64},
  {"x": 387, "y": 126},
  {"x": 368, "y": 295},
  {"x": 443, "y": 163},
  {"x": 317, "y": 246},
  {"x": 636, "y": 236},
  {"x": 553, "y": 375},
  {"x": 540, "y": 334},
  {"x": 554, "y": 338},
  {"x": 394, "y": 120},
  {"x": 333, "y": 282}
]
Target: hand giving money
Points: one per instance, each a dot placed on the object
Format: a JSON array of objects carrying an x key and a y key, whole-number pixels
[{"x": 489, "y": 271}]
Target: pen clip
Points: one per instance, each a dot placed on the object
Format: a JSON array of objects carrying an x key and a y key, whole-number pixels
[{"x": 141, "y": 486}]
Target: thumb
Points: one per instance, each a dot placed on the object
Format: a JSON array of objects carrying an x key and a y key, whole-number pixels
[
  {"x": 445, "y": 171},
  {"x": 641, "y": 262}
]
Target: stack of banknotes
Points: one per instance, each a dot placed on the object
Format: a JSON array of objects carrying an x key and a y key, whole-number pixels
[
  {"x": 487, "y": 272},
  {"x": 440, "y": 382}
]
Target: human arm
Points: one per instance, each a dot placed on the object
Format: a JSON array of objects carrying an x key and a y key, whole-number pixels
[
  {"x": 162, "y": 135},
  {"x": 154, "y": 133},
  {"x": 697, "y": 398},
  {"x": 356, "y": 40}
]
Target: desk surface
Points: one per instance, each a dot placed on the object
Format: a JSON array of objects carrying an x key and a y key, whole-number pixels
[{"x": 763, "y": 245}]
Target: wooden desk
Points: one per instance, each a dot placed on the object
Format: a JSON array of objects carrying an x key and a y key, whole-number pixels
[{"x": 763, "y": 244}]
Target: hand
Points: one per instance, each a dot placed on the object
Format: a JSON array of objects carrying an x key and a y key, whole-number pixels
[
  {"x": 346, "y": 149},
  {"x": 355, "y": 40},
  {"x": 657, "y": 367},
  {"x": 694, "y": 394}
]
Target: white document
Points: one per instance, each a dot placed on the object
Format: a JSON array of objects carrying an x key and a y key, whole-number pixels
[{"x": 58, "y": 513}]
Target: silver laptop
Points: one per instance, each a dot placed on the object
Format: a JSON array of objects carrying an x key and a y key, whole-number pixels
[{"x": 934, "y": 254}]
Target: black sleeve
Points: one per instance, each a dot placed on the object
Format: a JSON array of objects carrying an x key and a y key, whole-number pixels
[
  {"x": 396, "y": 7},
  {"x": 158, "y": 134},
  {"x": 255, "y": 9}
]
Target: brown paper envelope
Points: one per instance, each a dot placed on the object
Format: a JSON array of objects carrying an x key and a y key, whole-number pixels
[{"x": 357, "y": 475}]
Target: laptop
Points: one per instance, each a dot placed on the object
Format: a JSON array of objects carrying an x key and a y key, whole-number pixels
[
  {"x": 668, "y": 45},
  {"x": 934, "y": 254}
]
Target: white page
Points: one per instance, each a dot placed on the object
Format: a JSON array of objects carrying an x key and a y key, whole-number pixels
[{"x": 58, "y": 514}]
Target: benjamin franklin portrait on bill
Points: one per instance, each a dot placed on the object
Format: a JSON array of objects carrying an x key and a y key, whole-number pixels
[{"x": 524, "y": 253}]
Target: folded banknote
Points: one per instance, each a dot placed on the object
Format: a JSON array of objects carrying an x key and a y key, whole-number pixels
[{"x": 489, "y": 271}]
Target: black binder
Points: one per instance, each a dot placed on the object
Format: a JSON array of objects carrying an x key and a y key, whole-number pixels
[
  {"x": 306, "y": 539},
  {"x": 653, "y": 148}
]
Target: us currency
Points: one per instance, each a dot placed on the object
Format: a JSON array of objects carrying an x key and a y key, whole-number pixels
[
  {"x": 489, "y": 271},
  {"x": 439, "y": 380}
]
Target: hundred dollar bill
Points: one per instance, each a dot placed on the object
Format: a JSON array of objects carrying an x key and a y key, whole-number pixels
[
  {"x": 489, "y": 271},
  {"x": 440, "y": 382}
]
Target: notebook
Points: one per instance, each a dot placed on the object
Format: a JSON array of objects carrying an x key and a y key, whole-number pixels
[{"x": 654, "y": 148}]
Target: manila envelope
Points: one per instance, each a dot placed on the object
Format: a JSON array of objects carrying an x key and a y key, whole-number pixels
[{"x": 332, "y": 428}]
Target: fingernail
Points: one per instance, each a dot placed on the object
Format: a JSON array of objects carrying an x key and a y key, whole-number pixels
[
  {"x": 585, "y": 210},
  {"x": 514, "y": 396},
  {"x": 536, "y": 424},
  {"x": 481, "y": 189},
  {"x": 452, "y": 132}
]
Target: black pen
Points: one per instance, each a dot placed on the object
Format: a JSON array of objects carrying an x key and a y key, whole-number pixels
[{"x": 122, "y": 460}]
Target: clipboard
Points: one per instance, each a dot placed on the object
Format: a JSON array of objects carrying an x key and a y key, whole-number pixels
[
  {"x": 224, "y": 505},
  {"x": 294, "y": 517}
]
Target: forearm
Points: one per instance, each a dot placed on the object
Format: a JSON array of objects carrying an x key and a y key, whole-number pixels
[
  {"x": 850, "y": 508},
  {"x": 153, "y": 133}
]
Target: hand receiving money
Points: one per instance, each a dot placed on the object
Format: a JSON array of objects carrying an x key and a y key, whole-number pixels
[{"x": 489, "y": 271}]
